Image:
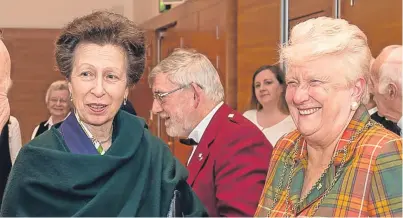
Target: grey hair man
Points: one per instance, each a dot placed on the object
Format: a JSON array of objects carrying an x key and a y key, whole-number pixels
[
  {"x": 230, "y": 153},
  {"x": 386, "y": 79}
]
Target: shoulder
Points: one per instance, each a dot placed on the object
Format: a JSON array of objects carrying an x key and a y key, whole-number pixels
[
  {"x": 161, "y": 157},
  {"x": 379, "y": 136},
  {"x": 236, "y": 131},
  {"x": 156, "y": 144},
  {"x": 378, "y": 143},
  {"x": 137, "y": 124},
  {"x": 44, "y": 122},
  {"x": 250, "y": 113},
  {"x": 14, "y": 122},
  {"x": 286, "y": 142},
  {"x": 283, "y": 150},
  {"x": 48, "y": 141},
  {"x": 236, "y": 122}
]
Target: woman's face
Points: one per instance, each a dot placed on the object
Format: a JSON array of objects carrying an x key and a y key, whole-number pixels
[
  {"x": 319, "y": 98},
  {"x": 267, "y": 88},
  {"x": 58, "y": 103},
  {"x": 98, "y": 82}
]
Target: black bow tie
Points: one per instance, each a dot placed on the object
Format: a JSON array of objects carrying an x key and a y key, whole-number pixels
[{"x": 189, "y": 142}]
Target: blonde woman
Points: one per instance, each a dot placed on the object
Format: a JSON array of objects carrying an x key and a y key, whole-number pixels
[
  {"x": 58, "y": 103},
  {"x": 339, "y": 162}
]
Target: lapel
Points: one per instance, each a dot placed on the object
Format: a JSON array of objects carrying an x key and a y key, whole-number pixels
[
  {"x": 202, "y": 152},
  {"x": 75, "y": 138}
]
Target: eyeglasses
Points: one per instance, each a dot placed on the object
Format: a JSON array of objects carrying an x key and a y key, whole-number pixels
[
  {"x": 56, "y": 100},
  {"x": 159, "y": 96}
]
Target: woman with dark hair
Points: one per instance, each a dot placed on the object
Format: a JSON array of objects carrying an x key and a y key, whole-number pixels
[
  {"x": 100, "y": 161},
  {"x": 269, "y": 110}
]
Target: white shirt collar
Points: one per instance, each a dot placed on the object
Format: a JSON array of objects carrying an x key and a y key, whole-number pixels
[
  {"x": 198, "y": 132},
  {"x": 400, "y": 122},
  {"x": 95, "y": 142},
  {"x": 50, "y": 120},
  {"x": 372, "y": 110}
]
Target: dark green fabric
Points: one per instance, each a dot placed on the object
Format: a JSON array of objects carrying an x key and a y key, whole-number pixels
[{"x": 136, "y": 177}]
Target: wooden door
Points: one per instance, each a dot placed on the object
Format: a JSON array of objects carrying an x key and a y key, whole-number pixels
[
  {"x": 173, "y": 38},
  {"x": 214, "y": 52},
  {"x": 33, "y": 69},
  {"x": 140, "y": 95},
  {"x": 300, "y": 11},
  {"x": 381, "y": 21},
  {"x": 258, "y": 40}
]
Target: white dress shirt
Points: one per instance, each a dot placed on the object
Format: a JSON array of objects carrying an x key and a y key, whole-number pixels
[
  {"x": 399, "y": 124},
  {"x": 372, "y": 110},
  {"x": 49, "y": 123},
  {"x": 198, "y": 132},
  {"x": 275, "y": 132},
  {"x": 14, "y": 138}
]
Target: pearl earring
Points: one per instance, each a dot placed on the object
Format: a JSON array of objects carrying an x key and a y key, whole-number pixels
[
  {"x": 124, "y": 101},
  {"x": 354, "y": 106}
]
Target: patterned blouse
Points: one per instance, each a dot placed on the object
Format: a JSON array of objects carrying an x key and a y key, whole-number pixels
[{"x": 365, "y": 178}]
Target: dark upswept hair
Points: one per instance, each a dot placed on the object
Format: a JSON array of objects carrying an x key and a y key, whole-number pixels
[
  {"x": 275, "y": 69},
  {"x": 101, "y": 28}
]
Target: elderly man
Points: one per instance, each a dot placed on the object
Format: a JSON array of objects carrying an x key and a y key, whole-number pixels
[
  {"x": 229, "y": 162},
  {"x": 373, "y": 110},
  {"x": 386, "y": 78},
  {"x": 5, "y": 82}
]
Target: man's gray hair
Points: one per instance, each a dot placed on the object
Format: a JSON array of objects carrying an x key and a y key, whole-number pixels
[
  {"x": 186, "y": 66},
  {"x": 390, "y": 70}
]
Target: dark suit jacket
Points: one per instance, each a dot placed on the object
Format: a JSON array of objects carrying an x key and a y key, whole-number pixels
[
  {"x": 386, "y": 123},
  {"x": 228, "y": 169},
  {"x": 5, "y": 160}
]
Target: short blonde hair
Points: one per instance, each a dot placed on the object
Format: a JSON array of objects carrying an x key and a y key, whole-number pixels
[
  {"x": 325, "y": 36},
  {"x": 185, "y": 66},
  {"x": 57, "y": 85}
]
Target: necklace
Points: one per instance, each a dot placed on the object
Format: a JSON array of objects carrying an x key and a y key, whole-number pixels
[
  {"x": 107, "y": 139},
  {"x": 97, "y": 143},
  {"x": 318, "y": 184}
]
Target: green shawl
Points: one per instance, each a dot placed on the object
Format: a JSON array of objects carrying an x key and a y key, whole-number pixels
[{"x": 136, "y": 177}]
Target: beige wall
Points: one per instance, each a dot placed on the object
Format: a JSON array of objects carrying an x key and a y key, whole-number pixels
[{"x": 56, "y": 13}]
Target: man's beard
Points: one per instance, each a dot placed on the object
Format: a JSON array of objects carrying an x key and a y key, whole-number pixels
[{"x": 179, "y": 128}]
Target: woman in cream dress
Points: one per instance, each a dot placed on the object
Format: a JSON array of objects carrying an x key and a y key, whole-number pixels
[{"x": 270, "y": 111}]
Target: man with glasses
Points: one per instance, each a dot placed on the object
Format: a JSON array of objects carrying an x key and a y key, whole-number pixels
[{"x": 230, "y": 157}]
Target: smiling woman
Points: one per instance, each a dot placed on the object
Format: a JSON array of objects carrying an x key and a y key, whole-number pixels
[
  {"x": 58, "y": 103},
  {"x": 100, "y": 160},
  {"x": 339, "y": 162},
  {"x": 98, "y": 85}
]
